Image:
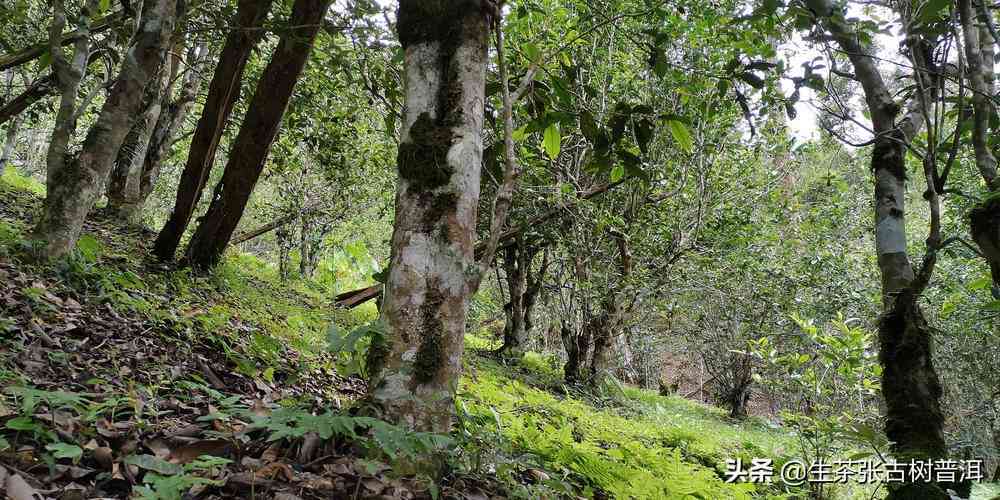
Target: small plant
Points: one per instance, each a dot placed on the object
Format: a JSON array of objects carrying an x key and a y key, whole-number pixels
[{"x": 352, "y": 348}]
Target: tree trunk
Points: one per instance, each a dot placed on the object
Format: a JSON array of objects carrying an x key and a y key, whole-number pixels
[
  {"x": 984, "y": 220},
  {"x": 433, "y": 271},
  {"x": 10, "y": 142},
  {"x": 73, "y": 188},
  {"x": 284, "y": 253},
  {"x": 68, "y": 75},
  {"x": 169, "y": 124},
  {"x": 123, "y": 186},
  {"x": 910, "y": 386},
  {"x": 222, "y": 95},
  {"x": 516, "y": 264},
  {"x": 577, "y": 345},
  {"x": 260, "y": 127}
]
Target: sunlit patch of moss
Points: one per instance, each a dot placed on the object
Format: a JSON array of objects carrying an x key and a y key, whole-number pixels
[{"x": 11, "y": 179}]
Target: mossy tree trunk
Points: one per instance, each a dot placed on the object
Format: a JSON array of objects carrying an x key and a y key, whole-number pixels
[
  {"x": 433, "y": 271},
  {"x": 223, "y": 93},
  {"x": 74, "y": 186},
  {"x": 258, "y": 131}
]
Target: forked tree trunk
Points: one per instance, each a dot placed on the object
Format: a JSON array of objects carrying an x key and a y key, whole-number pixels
[
  {"x": 257, "y": 133},
  {"x": 433, "y": 270},
  {"x": 74, "y": 187},
  {"x": 223, "y": 92}
]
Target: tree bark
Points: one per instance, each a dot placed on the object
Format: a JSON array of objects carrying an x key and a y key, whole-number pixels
[
  {"x": 433, "y": 270},
  {"x": 910, "y": 385},
  {"x": 10, "y": 142},
  {"x": 68, "y": 75},
  {"x": 257, "y": 133},
  {"x": 222, "y": 95},
  {"x": 73, "y": 188},
  {"x": 170, "y": 122},
  {"x": 123, "y": 185},
  {"x": 984, "y": 219}
]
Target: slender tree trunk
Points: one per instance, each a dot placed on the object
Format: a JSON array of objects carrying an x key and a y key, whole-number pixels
[
  {"x": 433, "y": 271},
  {"x": 260, "y": 127},
  {"x": 284, "y": 253},
  {"x": 170, "y": 122},
  {"x": 516, "y": 263},
  {"x": 73, "y": 188},
  {"x": 123, "y": 185},
  {"x": 10, "y": 142},
  {"x": 222, "y": 95}
]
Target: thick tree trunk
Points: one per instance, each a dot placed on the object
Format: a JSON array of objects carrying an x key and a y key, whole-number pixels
[
  {"x": 603, "y": 328},
  {"x": 73, "y": 188},
  {"x": 984, "y": 219},
  {"x": 260, "y": 127},
  {"x": 433, "y": 270},
  {"x": 222, "y": 95}
]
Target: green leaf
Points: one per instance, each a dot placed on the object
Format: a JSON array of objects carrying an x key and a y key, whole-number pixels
[
  {"x": 552, "y": 141},
  {"x": 65, "y": 450},
  {"x": 154, "y": 464},
  {"x": 617, "y": 173},
  {"x": 104, "y": 6},
  {"x": 681, "y": 134}
]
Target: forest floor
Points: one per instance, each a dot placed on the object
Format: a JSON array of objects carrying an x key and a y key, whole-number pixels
[{"x": 124, "y": 378}]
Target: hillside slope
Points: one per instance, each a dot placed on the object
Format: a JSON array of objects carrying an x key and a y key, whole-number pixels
[{"x": 129, "y": 379}]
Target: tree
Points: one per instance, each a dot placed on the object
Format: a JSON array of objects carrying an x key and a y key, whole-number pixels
[
  {"x": 260, "y": 127},
  {"x": 432, "y": 270},
  {"x": 74, "y": 184},
  {"x": 223, "y": 92},
  {"x": 910, "y": 385}
]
